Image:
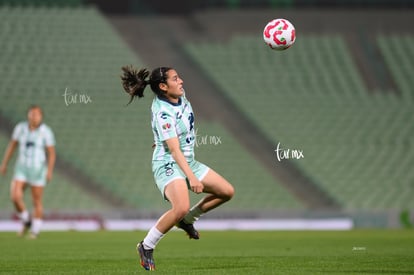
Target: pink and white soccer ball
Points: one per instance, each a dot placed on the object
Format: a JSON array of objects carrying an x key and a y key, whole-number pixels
[{"x": 279, "y": 34}]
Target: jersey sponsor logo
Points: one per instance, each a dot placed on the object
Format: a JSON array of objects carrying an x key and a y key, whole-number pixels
[
  {"x": 163, "y": 115},
  {"x": 191, "y": 120},
  {"x": 189, "y": 139},
  {"x": 30, "y": 144},
  {"x": 166, "y": 126}
]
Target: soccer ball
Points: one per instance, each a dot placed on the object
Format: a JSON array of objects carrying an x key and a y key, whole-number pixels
[{"x": 279, "y": 34}]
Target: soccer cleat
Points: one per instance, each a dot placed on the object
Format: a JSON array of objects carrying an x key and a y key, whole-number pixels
[
  {"x": 32, "y": 236},
  {"x": 26, "y": 227},
  {"x": 189, "y": 229},
  {"x": 147, "y": 261}
]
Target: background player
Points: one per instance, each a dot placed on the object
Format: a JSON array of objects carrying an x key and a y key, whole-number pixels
[{"x": 34, "y": 166}]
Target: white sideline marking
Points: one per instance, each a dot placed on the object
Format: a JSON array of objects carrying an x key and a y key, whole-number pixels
[{"x": 208, "y": 224}]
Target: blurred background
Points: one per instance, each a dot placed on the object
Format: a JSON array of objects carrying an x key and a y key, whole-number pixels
[{"x": 343, "y": 95}]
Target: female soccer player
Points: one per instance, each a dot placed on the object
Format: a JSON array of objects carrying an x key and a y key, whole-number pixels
[
  {"x": 173, "y": 164},
  {"x": 34, "y": 167}
]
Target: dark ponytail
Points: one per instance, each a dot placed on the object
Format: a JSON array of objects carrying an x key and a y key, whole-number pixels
[{"x": 134, "y": 81}]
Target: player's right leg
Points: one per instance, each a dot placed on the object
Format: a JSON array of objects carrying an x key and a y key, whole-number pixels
[
  {"x": 177, "y": 194},
  {"x": 17, "y": 194},
  {"x": 146, "y": 258}
]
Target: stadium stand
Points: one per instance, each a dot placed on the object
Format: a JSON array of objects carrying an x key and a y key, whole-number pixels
[
  {"x": 356, "y": 142},
  {"x": 357, "y": 145},
  {"x": 398, "y": 51},
  {"x": 68, "y": 61}
]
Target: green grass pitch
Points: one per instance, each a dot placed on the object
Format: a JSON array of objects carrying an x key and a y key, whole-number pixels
[{"x": 217, "y": 252}]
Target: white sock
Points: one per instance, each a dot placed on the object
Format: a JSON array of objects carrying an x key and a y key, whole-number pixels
[
  {"x": 36, "y": 225},
  {"x": 193, "y": 215},
  {"x": 24, "y": 216},
  {"x": 152, "y": 239}
]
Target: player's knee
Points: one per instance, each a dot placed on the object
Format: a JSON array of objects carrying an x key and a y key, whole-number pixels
[
  {"x": 226, "y": 193},
  {"x": 181, "y": 214},
  {"x": 37, "y": 204},
  {"x": 181, "y": 211},
  {"x": 229, "y": 192},
  {"x": 16, "y": 197}
]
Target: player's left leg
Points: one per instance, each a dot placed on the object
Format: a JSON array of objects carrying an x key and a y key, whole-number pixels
[
  {"x": 37, "y": 197},
  {"x": 17, "y": 194},
  {"x": 219, "y": 191}
]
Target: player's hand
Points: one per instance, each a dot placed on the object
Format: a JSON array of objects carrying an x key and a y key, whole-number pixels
[
  {"x": 196, "y": 186},
  {"x": 3, "y": 170},
  {"x": 49, "y": 176}
]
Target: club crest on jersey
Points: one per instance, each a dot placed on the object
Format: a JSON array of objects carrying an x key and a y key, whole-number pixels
[
  {"x": 166, "y": 126},
  {"x": 169, "y": 172}
]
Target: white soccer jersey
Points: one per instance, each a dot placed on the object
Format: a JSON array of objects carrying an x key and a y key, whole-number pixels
[
  {"x": 172, "y": 120},
  {"x": 32, "y": 144}
]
